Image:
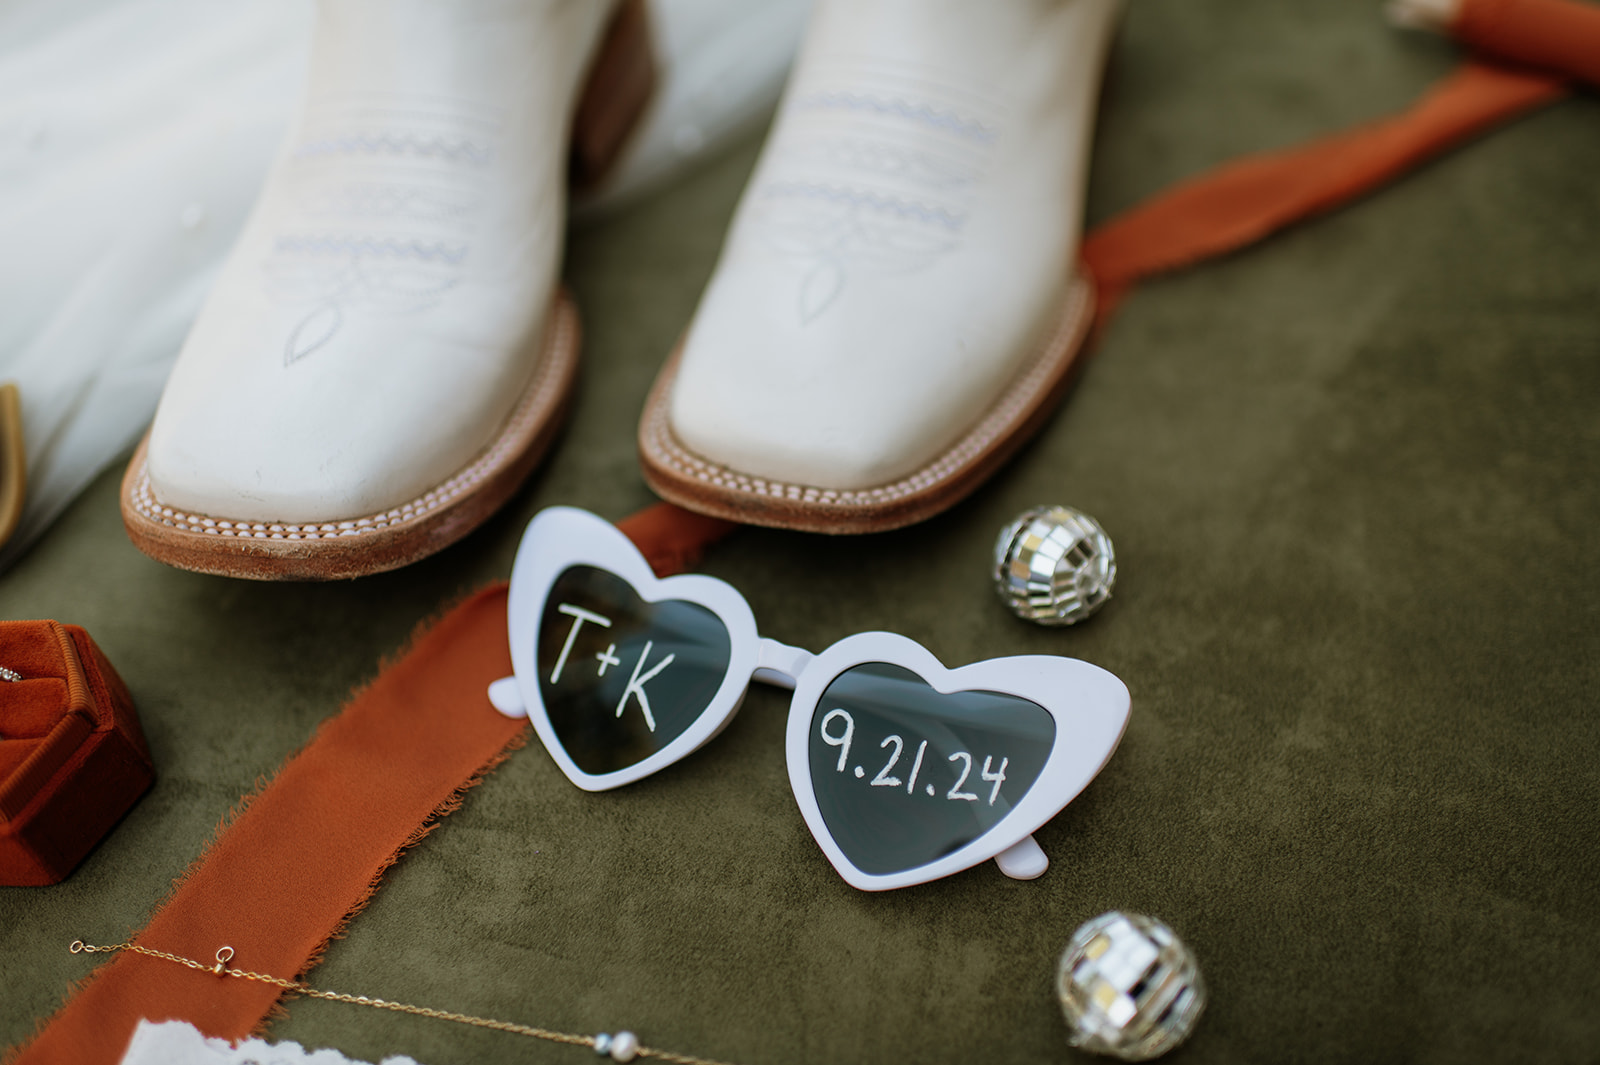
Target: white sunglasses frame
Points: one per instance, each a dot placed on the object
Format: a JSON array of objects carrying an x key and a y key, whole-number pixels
[{"x": 1089, "y": 705}]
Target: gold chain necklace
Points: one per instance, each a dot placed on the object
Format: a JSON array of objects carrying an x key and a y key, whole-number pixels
[{"x": 621, "y": 1046}]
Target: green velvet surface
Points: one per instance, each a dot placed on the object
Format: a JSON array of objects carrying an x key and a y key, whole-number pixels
[{"x": 1350, "y": 475}]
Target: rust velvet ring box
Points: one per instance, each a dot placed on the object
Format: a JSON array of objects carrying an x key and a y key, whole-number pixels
[{"x": 73, "y": 758}]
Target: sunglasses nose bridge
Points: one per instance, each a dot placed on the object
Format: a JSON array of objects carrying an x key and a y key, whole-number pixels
[{"x": 779, "y": 664}]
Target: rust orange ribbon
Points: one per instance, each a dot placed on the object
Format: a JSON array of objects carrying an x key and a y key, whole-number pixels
[
  {"x": 1558, "y": 37},
  {"x": 1244, "y": 201}
]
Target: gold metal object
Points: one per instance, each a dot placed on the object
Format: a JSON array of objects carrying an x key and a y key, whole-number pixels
[
  {"x": 13, "y": 468},
  {"x": 225, "y": 955}
]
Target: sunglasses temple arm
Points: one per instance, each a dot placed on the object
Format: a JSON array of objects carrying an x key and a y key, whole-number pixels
[
  {"x": 506, "y": 697},
  {"x": 1023, "y": 860},
  {"x": 779, "y": 664}
]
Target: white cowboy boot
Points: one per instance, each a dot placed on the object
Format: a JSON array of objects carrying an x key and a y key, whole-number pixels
[
  {"x": 895, "y": 307},
  {"x": 385, "y": 352}
]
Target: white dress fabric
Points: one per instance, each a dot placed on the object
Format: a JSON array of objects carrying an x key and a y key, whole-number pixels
[{"x": 134, "y": 137}]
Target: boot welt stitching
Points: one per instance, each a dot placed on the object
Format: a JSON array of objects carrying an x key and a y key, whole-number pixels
[
  {"x": 1013, "y": 402},
  {"x": 534, "y": 398}
]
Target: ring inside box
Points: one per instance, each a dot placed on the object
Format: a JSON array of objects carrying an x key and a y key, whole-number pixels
[{"x": 73, "y": 758}]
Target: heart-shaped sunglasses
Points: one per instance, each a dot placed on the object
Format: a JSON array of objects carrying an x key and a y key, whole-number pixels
[{"x": 905, "y": 771}]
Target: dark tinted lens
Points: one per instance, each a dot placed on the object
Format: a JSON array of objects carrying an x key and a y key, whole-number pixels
[
  {"x": 904, "y": 775},
  {"x": 622, "y": 678}
]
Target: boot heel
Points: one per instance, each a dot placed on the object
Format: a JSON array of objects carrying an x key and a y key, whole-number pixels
[{"x": 619, "y": 84}]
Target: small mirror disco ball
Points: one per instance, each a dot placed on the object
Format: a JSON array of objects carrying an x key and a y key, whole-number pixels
[
  {"x": 1129, "y": 987},
  {"x": 1054, "y": 565}
]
